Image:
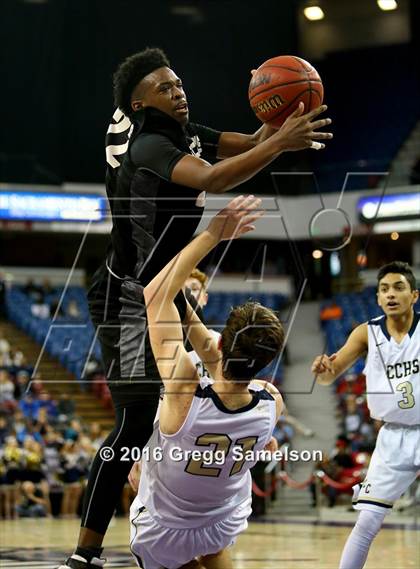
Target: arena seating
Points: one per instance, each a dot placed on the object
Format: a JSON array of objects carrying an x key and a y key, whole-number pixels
[
  {"x": 70, "y": 339},
  {"x": 356, "y": 308},
  {"x": 387, "y": 119},
  {"x": 220, "y": 303}
]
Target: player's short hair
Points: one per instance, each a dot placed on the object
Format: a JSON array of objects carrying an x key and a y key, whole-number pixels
[
  {"x": 401, "y": 268},
  {"x": 131, "y": 71},
  {"x": 200, "y": 276},
  {"x": 252, "y": 338}
]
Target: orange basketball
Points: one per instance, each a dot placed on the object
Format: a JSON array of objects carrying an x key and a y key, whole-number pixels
[{"x": 278, "y": 86}]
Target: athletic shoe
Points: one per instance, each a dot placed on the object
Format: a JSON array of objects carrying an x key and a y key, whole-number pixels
[{"x": 78, "y": 562}]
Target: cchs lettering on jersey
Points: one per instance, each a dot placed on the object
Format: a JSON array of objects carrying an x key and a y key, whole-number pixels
[
  {"x": 393, "y": 373},
  {"x": 182, "y": 488}
]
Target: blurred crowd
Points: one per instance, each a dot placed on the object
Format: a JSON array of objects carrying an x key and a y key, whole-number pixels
[
  {"x": 46, "y": 302},
  {"x": 46, "y": 450}
]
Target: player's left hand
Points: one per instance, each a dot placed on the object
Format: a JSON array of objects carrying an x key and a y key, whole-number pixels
[
  {"x": 272, "y": 445},
  {"x": 236, "y": 218}
]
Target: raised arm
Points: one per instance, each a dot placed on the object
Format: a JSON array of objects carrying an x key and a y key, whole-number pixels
[
  {"x": 299, "y": 132},
  {"x": 165, "y": 330},
  {"x": 202, "y": 340},
  {"x": 328, "y": 368}
]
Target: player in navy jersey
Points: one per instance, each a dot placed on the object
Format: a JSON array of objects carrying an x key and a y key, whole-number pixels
[
  {"x": 156, "y": 183},
  {"x": 392, "y": 370},
  {"x": 195, "y": 488}
]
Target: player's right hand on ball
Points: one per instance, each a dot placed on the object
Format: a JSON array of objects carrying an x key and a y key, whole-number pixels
[
  {"x": 300, "y": 131},
  {"x": 322, "y": 365}
]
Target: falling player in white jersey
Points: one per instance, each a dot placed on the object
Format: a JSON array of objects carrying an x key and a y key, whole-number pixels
[
  {"x": 195, "y": 489},
  {"x": 392, "y": 374}
]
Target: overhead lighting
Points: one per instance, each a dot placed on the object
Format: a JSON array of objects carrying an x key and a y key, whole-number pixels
[
  {"x": 395, "y": 235},
  {"x": 314, "y": 13},
  {"x": 317, "y": 254},
  {"x": 387, "y": 5}
]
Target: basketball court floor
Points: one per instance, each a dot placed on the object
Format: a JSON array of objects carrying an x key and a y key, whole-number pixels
[{"x": 303, "y": 544}]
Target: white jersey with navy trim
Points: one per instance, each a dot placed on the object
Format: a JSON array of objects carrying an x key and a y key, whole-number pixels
[
  {"x": 195, "y": 477},
  {"x": 393, "y": 373}
]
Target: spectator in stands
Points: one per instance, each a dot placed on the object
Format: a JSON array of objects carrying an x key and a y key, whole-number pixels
[
  {"x": 33, "y": 460},
  {"x": 29, "y": 406},
  {"x": 33, "y": 503},
  {"x": 36, "y": 386},
  {"x": 66, "y": 408},
  {"x": 330, "y": 469},
  {"x": 21, "y": 384},
  {"x": 353, "y": 416},
  {"x": 73, "y": 431},
  {"x": 47, "y": 288},
  {"x": 5, "y": 360},
  {"x": 96, "y": 435},
  {"x": 4, "y": 430},
  {"x": 52, "y": 457},
  {"x": 75, "y": 465},
  {"x": 13, "y": 458},
  {"x": 341, "y": 454},
  {"x": 45, "y": 402},
  {"x": 7, "y": 390},
  {"x": 34, "y": 291},
  {"x": 19, "y": 423},
  {"x": 73, "y": 311},
  {"x": 18, "y": 358},
  {"x": 41, "y": 425},
  {"x": 93, "y": 368},
  {"x": 4, "y": 344},
  {"x": 40, "y": 309}
]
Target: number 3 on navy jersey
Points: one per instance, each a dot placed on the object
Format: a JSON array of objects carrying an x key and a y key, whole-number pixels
[{"x": 408, "y": 401}]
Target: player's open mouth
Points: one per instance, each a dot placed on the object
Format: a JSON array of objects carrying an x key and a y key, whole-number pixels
[
  {"x": 181, "y": 108},
  {"x": 392, "y": 304}
]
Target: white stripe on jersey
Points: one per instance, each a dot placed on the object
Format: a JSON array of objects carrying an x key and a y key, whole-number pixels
[
  {"x": 117, "y": 138},
  {"x": 393, "y": 373},
  {"x": 190, "y": 493}
]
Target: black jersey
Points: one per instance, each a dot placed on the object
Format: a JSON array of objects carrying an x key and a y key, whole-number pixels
[{"x": 153, "y": 218}]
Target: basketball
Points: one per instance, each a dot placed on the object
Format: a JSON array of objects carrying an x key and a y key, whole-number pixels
[{"x": 280, "y": 84}]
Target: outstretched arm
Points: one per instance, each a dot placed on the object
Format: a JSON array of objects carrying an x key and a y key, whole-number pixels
[
  {"x": 234, "y": 143},
  {"x": 165, "y": 328},
  {"x": 298, "y": 132},
  {"x": 202, "y": 340},
  {"x": 328, "y": 368}
]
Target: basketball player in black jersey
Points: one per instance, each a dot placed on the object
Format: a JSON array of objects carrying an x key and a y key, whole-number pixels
[{"x": 156, "y": 183}]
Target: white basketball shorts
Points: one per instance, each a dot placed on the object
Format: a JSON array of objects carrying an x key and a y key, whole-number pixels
[
  {"x": 154, "y": 546},
  {"x": 394, "y": 465}
]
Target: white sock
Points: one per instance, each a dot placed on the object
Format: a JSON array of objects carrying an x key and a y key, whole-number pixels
[{"x": 357, "y": 545}]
